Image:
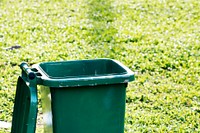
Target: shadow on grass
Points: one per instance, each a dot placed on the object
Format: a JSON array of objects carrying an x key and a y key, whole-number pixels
[{"x": 102, "y": 33}]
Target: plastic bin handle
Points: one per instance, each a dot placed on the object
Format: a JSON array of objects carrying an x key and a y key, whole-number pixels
[{"x": 30, "y": 74}]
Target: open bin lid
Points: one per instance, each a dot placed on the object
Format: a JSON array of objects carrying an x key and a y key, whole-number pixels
[{"x": 82, "y": 73}]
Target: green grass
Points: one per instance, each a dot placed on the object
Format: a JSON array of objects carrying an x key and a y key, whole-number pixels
[{"x": 158, "y": 39}]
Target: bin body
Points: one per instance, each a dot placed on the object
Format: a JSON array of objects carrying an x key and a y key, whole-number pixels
[
  {"x": 88, "y": 109},
  {"x": 84, "y": 96}
]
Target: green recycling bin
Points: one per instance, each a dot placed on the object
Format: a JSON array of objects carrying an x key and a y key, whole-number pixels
[{"x": 81, "y": 96}]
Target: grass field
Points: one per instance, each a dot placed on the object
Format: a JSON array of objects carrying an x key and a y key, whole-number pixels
[{"x": 157, "y": 39}]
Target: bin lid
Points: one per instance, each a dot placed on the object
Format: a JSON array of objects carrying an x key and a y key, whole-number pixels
[{"x": 82, "y": 73}]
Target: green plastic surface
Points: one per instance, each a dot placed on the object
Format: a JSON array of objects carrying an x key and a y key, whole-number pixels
[
  {"x": 89, "y": 109},
  {"x": 25, "y": 107},
  {"x": 83, "y": 73},
  {"x": 82, "y": 96}
]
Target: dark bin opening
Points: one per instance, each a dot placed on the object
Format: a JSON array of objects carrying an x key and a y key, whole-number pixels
[{"x": 82, "y": 68}]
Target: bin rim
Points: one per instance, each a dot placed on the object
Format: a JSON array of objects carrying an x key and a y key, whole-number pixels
[{"x": 44, "y": 79}]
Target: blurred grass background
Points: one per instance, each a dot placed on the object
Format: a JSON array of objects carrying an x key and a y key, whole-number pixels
[{"x": 158, "y": 39}]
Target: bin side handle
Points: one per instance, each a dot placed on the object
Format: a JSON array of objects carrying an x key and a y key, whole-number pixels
[{"x": 26, "y": 71}]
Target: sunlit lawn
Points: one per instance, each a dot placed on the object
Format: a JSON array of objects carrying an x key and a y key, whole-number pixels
[{"x": 157, "y": 39}]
